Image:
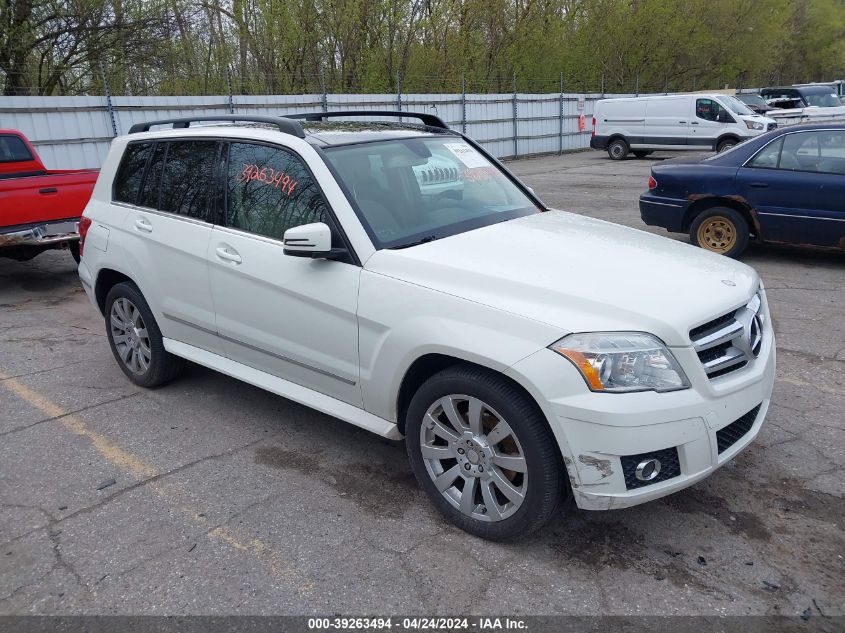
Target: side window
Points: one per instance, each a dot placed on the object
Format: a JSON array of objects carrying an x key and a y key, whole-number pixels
[
  {"x": 769, "y": 156},
  {"x": 832, "y": 151},
  {"x": 711, "y": 110},
  {"x": 800, "y": 152},
  {"x": 127, "y": 183},
  {"x": 187, "y": 180},
  {"x": 269, "y": 190},
  {"x": 13, "y": 150},
  {"x": 706, "y": 109}
]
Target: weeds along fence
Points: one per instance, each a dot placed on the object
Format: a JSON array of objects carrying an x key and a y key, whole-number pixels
[{"x": 75, "y": 132}]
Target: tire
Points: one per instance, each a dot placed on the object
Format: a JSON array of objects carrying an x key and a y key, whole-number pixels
[
  {"x": 533, "y": 495},
  {"x": 642, "y": 153},
  {"x": 720, "y": 230},
  {"x": 73, "y": 247},
  {"x": 141, "y": 356},
  {"x": 725, "y": 144},
  {"x": 617, "y": 149}
]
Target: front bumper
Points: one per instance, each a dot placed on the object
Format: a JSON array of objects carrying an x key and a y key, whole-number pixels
[{"x": 599, "y": 434}]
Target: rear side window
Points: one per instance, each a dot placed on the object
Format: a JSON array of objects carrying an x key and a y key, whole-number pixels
[
  {"x": 152, "y": 184},
  {"x": 768, "y": 156},
  {"x": 187, "y": 179},
  {"x": 13, "y": 150},
  {"x": 269, "y": 190},
  {"x": 130, "y": 174}
]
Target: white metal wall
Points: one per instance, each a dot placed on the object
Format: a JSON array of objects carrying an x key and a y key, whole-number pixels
[{"x": 74, "y": 132}]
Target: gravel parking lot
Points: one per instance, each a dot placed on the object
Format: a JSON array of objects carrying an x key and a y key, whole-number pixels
[{"x": 211, "y": 496}]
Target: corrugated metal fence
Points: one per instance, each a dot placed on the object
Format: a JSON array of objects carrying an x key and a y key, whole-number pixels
[{"x": 72, "y": 132}]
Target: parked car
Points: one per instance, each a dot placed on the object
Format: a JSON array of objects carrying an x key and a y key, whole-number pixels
[
  {"x": 523, "y": 353},
  {"x": 803, "y": 104},
  {"x": 787, "y": 186},
  {"x": 40, "y": 208},
  {"x": 673, "y": 122},
  {"x": 755, "y": 103}
]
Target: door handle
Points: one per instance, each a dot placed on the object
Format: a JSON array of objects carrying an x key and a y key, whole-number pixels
[
  {"x": 142, "y": 224},
  {"x": 758, "y": 185},
  {"x": 47, "y": 191},
  {"x": 228, "y": 256},
  {"x": 694, "y": 123},
  {"x": 681, "y": 122}
]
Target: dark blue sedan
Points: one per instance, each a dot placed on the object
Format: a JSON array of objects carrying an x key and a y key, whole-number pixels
[{"x": 786, "y": 186}]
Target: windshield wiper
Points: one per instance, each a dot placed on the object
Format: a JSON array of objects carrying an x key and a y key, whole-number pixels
[{"x": 423, "y": 240}]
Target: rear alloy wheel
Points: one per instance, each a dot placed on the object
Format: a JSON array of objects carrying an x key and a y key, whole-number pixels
[
  {"x": 617, "y": 149},
  {"x": 135, "y": 339},
  {"x": 720, "y": 230},
  {"x": 483, "y": 454}
]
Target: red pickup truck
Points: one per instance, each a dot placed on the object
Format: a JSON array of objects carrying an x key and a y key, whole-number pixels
[{"x": 39, "y": 208}]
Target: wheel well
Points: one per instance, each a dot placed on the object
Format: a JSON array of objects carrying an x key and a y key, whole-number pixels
[
  {"x": 425, "y": 367},
  {"x": 702, "y": 205},
  {"x": 106, "y": 280},
  {"x": 726, "y": 137},
  {"x": 620, "y": 137}
]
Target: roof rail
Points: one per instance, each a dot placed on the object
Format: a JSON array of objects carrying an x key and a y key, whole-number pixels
[
  {"x": 285, "y": 125},
  {"x": 431, "y": 120}
]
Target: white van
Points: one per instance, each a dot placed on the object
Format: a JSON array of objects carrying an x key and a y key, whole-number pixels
[{"x": 673, "y": 122}]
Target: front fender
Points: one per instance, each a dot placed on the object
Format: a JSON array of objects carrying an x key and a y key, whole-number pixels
[{"x": 400, "y": 322}]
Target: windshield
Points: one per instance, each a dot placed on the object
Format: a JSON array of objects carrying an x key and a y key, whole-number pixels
[
  {"x": 823, "y": 101},
  {"x": 752, "y": 100},
  {"x": 414, "y": 190},
  {"x": 737, "y": 106}
]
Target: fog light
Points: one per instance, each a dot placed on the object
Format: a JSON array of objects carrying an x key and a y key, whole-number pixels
[{"x": 647, "y": 469}]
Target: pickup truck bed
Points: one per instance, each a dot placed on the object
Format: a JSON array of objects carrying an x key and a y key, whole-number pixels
[{"x": 39, "y": 208}]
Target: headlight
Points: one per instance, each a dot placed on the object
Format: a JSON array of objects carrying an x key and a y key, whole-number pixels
[
  {"x": 754, "y": 125},
  {"x": 621, "y": 362}
]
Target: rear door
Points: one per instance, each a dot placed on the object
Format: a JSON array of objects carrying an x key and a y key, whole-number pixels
[
  {"x": 167, "y": 233},
  {"x": 797, "y": 185},
  {"x": 293, "y": 317}
]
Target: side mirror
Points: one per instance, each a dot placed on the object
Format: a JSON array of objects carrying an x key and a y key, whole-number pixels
[
  {"x": 311, "y": 240},
  {"x": 724, "y": 117}
]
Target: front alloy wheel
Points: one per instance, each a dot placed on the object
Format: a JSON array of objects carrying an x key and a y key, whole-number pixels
[
  {"x": 484, "y": 453},
  {"x": 473, "y": 457}
]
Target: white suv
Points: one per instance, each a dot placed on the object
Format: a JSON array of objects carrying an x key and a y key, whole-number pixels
[{"x": 396, "y": 276}]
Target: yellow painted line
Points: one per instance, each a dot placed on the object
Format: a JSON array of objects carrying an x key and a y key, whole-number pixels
[{"x": 139, "y": 469}]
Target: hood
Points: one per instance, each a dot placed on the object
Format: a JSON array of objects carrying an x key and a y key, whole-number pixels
[
  {"x": 759, "y": 118},
  {"x": 578, "y": 274}
]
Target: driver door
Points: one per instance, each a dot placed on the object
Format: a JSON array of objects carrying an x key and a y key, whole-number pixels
[
  {"x": 707, "y": 123},
  {"x": 292, "y": 317}
]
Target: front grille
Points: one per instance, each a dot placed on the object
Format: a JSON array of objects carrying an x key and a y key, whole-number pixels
[
  {"x": 669, "y": 467},
  {"x": 731, "y": 434},
  {"x": 729, "y": 342}
]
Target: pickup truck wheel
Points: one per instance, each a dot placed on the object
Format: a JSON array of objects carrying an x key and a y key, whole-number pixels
[
  {"x": 483, "y": 453},
  {"x": 720, "y": 230},
  {"x": 617, "y": 149},
  {"x": 136, "y": 340},
  {"x": 73, "y": 247}
]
